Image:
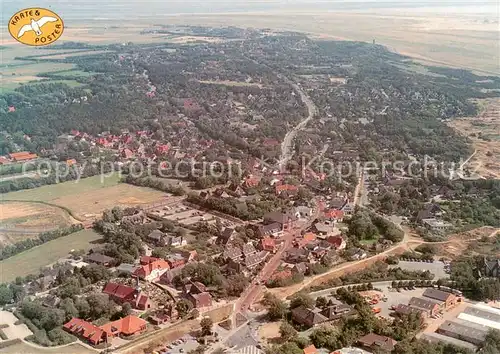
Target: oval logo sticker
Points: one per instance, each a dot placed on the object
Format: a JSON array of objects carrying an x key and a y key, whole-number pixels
[{"x": 36, "y": 26}]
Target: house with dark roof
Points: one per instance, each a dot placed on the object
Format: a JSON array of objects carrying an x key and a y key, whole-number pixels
[
  {"x": 285, "y": 219},
  {"x": 168, "y": 277},
  {"x": 297, "y": 255},
  {"x": 446, "y": 299},
  {"x": 226, "y": 236},
  {"x": 491, "y": 269},
  {"x": 248, "y": 249},
  {"x": 100, "y": 259},
  {"x": 464, "y": 330},
  {"x": 403, "y": 309},
  {"x": 156, "y": 236},
  {"x": 430, "y": 211},
  {"x": 273, "y": 229},
  {"x": 254, "y": 259},
  {"x": 378, "y": 343},
  {"x": 233, "y": 253},
  {"x": 200, "y": 300},
  {"x": 308, "y": 317},
  {"x": 336, "y": 312}
]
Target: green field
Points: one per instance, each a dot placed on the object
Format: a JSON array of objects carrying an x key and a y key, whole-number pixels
[
  {"x": 24, "y": 348},
  {"x": 54, "y": 191},
  {"x": 30, "y": 261}
]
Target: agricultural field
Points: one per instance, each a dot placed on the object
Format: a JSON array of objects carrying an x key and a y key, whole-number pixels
[
  {"x": 22, "y": 220},
  {"x": 89, "y": 197},
  {"x": 30, "y": 261}
]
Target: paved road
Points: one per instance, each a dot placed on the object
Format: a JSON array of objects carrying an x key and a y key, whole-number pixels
[{"x": 287, "y": 144}]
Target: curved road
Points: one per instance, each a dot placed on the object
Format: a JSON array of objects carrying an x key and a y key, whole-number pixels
[{"x": 287, "y": 144}]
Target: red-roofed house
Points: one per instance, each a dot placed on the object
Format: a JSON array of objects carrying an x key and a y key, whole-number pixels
[
  {"x": 310, "y": 350},
  {"x": 22, "y": 156},
  {"x": 122, "y": 294},
  {"x": 86, "y": 330},
  {"x": 126, "y": 326},
  {"x": 162, "y": 149},
  {"x": 288, "y": 188},
  {"x": 306, "y": 239},
  {"x": 251, "y": 182},
  {"x": 153, "y": 270},
  {"x": 147, "y": 259},
  {"x": 268, "y": 244},
  {"x": 127, "y": 153},
  {"x": 334, "y": 215},
  {"x": 337, "y": 242},
  {"x": 4, "y": 160},
  {"x": 12, "y": 109}
]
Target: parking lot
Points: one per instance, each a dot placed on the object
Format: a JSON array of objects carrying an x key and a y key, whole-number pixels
[
  {"x": 187, "y": 216},
  {"x": 183, "y": 345},
  {"x": 436, "y": 268}
]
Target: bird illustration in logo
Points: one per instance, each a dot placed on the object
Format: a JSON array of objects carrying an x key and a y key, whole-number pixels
[{"x": 35, "y": 26}]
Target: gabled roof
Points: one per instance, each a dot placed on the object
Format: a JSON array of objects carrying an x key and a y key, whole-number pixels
[
  {"x": 248, "y": 248},
  {"x": 310, "y": 349},
  {"x": 308, "y": 316},
  {"x": 127, "y": 325},
  {"x": 334, "y": 214},
  {"x": 99, "y": 258},
  {"x": 373, "y": 340},
  {"x": 147, "y": 269},
  {"x": 85, "y": 329},
  {"x": 437, "y": 294},
  {"x": 423, "y": 304},
  {"x": 119, "y": 291},
  {"x": 232, "y": 252}
]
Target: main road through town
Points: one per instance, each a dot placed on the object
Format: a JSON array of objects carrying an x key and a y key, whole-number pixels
[{"x": 287, "y": 144}]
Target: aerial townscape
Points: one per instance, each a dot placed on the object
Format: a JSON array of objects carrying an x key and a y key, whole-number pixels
[{"x": 247, "y": 190}]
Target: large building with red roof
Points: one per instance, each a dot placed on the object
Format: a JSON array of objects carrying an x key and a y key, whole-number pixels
[{"x": 123, "y": 293}]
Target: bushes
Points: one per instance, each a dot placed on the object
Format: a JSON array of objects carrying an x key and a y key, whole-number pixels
[
  {"x": 27, "y": 244},
  {"x": 155, "y": 184},
  {"x": 3, "y": 335},
  {"x": 281, "y": 282}
]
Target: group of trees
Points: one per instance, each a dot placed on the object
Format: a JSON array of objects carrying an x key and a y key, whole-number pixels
[
  {"x": 367, "y": 226},
  {"x": 26, "y": 244},
  {"x": 248, "y": 210},
  {"x": 465, "y": 275},
  {"x": 155, "y": 183}
]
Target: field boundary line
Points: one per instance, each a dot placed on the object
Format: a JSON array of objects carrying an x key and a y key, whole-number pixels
[{"x": 66, "y": 209}]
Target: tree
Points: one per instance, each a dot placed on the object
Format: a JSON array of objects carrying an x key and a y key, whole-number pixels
[
  {"x": 287, "y": 331},
  {"x": 276, "y": 309},
  {"x": 321, "y": 302},
  {"x": 325, "y": 337},
  {"x": 183, "y": 307},
  {"x": 69, "y": 308},
  {"x": 6, "y": 295},
  {"x": 206, "y": 324},
  {"x": 302, "y": 299}
]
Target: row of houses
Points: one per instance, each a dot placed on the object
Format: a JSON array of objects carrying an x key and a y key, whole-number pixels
[
  {"x": 126, "y": 327},
  {"x": 432, "y": 303},
  {"x": 22, "y": 156}
]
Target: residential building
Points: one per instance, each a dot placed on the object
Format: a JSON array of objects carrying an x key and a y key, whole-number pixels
[
  {"x": 125, "y": 294},
  {"x": 286, "y": 190},
  {"x": 248, "y": 249},
  {"x": 156, "y": 236},
  {"x": 308, "y": 317},
  {"x": 430, "y": 211},
  {"x": 175, "y": 241},
  {"x": 86, "y": 330},
  {"x": 300, "y": 268},
  {"x": 286, "y": 220},
  {"x": 125, "y": 268},
  {"x": 297, "y": 255},
  {"x": 233, "y": 253},
  {"x": 337, "y": 242},
  {"x": 378, "y": 343},
  {"x": 311, "y": 349},
  {"x": 268, "y": 244},
  {"x": 274, "y": 229},
  {"x": 100, "y": 259},
  {"x": 200, "y": 300},
  {"x": 168, "y": 277},
  {"x": 254, "y": 259},
  {"x": 126, "y": 326},
  {"x": 335, "y": 215},
  {"x": 336, "y": 312},
  {"x": 226, "y": 236},
  {"x": 447, "y": 300},
  {"x": 22, "y": 156},
  {"x": 303, "y": 212},
  {"x": 491, "y": 269},
  {"x": 153, "y": 270},
  {"x": 436, "y": 225},
  {"x": 176, "y": 260}
]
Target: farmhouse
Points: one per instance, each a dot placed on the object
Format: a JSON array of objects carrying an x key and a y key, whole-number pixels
[
  {"x": 126, "y": 326},
  {"x": 445, "y": 299},
  {"x": 86, "y": 330}
]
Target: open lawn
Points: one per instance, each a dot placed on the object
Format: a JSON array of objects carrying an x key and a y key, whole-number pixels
[
  {"x": 24, "y": 348},
  {"x": 89, "y": 197},
  {"x": 30, "y": 261},
  {"x": 22, "y": 220}
]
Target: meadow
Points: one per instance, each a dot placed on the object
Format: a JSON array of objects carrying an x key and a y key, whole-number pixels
[
  {"x": 89, "y": 197},
  {"x": 30, "y": 261}
]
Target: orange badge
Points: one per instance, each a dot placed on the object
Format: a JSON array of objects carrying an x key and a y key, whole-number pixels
[{"x": 36, "y": 26}]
